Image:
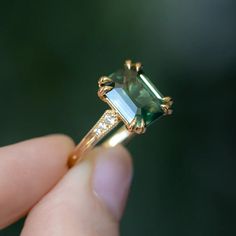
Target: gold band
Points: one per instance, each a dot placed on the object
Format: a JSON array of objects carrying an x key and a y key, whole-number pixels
[{"x": 109, "y": 120}]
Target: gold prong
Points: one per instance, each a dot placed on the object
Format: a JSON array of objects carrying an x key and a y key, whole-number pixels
[
  {"x": 128, "y": 64},
  {"x": 138, "y": 66},
  {"x": 166, "y": 109},
  {"x": 102, "y": 91},
  {"x": 132, "y": 124},
  {"x": 104, "y": 80},
  {"x": 142, "y": 128},
  {"x": 137, "y": 127},
  {"x": 168, "y": 101}
]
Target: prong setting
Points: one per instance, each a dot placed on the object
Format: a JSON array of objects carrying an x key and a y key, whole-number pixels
[
  {"x": 131, "y": 94},
  {"x": 133, "y": 66},
  {"x": 138, "y": 66},
  {"x": 137, "y": 125},
  {"x": 102, "y": 91},
  {"x": 105, "y": 85},
  {"x": 128, "y": 64},
  {"x": 168, "y": 100},
  {"x": 167, "y": 103},
  {"x": 104, "y": 81}
]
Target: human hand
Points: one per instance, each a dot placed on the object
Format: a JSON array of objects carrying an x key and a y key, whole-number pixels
[{"x": 87, "y": 200}]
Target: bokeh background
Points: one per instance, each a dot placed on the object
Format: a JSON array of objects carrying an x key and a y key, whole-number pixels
[{"x": 53, "y": 52}]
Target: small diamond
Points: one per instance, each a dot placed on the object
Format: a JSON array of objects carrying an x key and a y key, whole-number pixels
[
  {"x": 110, "y": 120},
  {"x": 97, "y": 131},
  {"x": 102, "y": 126},
  {"x": 107, "y": 122}
]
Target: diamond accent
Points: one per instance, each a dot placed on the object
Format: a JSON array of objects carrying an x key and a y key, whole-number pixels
[{"x": 108, "y": 121}]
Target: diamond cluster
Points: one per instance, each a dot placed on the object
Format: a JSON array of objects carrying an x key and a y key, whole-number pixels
[{"x": 108, "y": 121}]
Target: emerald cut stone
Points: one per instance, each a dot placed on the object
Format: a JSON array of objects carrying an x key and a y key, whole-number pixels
[{"x": 134, "y": 95}]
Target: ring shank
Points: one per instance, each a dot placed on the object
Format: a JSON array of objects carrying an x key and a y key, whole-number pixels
[
  {"x": 109, "y": 120},
  {"x": 121, "y": 136}
]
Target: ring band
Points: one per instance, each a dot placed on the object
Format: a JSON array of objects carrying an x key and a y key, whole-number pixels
[
  {"x": 133, "y": 100},
  {"x": 109, "y": 120}
]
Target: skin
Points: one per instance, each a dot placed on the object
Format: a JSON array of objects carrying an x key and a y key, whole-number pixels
[{"x": 87, "y": 200}]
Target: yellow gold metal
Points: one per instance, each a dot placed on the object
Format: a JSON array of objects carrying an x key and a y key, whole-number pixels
[
  {"x": 104, "y": 80},
  {"x": 136, "y": 126},
  {"x": 105, "y": 85},
  {"x": 166, "y": 109},
  {"x": 109, "y": 120},
  {"x": 122, "y": 135},
  {"x": 103, "y": 90},
  {"x": 138, "y": 66},
  {"x": 134, "y": 66},
  {"x": 128, "y": 64},
  {"x": 168, "y": 102}
]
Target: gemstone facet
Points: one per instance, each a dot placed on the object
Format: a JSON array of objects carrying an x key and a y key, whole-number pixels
[{"x": 134, "y": 96}]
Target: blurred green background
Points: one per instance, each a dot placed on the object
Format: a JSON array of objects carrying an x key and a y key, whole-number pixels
[{"x": 51, "y": 56}]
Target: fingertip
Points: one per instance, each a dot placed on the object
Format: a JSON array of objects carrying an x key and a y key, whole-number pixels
[
  {"x": 35, "y": 165},
  {"x": 112, "y": 178},
  {"x": 123, "y": 152},
  {"x": 89, "y": 200},
  {"x": 118, "y": 151},
  {"x": 62, "y": 139}
]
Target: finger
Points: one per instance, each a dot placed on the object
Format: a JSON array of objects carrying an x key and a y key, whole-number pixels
[
  {"x": 28, "y": 170},
  {"x": 88, "y": 201}
]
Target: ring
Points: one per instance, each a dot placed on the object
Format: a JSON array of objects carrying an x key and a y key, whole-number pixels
[{"x": 134, "y": 102}]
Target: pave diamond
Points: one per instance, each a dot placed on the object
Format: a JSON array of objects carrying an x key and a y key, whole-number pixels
[{"x": 108, "y": 121}]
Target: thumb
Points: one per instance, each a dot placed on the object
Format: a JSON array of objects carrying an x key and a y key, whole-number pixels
[{"x": 88, "y": 201}]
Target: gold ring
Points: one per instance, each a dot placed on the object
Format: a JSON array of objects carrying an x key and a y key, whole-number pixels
[{"x": 134, "y": 101}]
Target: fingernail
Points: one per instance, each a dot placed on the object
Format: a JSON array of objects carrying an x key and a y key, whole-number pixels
[{"x": 112, "y": 178}]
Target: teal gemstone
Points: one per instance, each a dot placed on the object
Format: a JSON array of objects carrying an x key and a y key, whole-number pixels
[{"x": 134, "y": 95}]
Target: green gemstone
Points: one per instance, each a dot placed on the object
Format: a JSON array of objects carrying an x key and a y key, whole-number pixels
[{"x": 134, "y": 95}]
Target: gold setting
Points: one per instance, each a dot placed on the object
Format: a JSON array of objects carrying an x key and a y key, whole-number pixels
[
  {"x": 128, "y": 64},
  {"x": 139, "y": 127},
  {"x": 168, "y": 102},
  {"x": 135, "y": 66},
  {"x": 111, "y": 118},
  {"x": 106, "y": 84}
]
